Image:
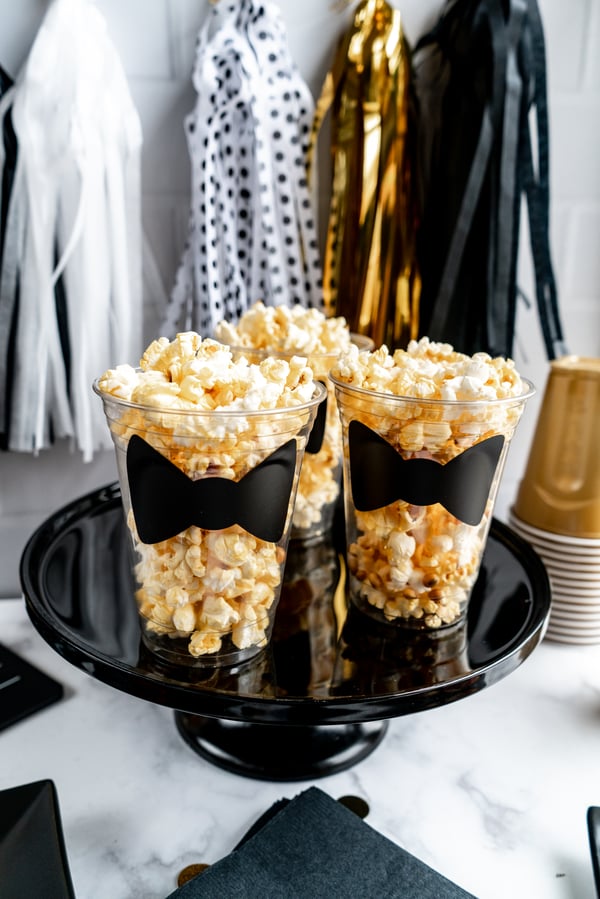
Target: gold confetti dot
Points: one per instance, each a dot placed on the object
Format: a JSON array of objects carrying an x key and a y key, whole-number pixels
[{"x": 190, "y": 871}]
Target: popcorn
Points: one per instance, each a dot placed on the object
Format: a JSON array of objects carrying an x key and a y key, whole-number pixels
[
  {"x": 211, "y": 589},
  {"x": 410, "y": 562},
  {"x": 309, "y": 333},
  {"x": 286, "y": 329}
]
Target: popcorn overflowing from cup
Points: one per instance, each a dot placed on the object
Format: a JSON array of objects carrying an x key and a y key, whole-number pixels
[
  {"x": 201, "y": 410},
  {"x": 285, "y": 330},
  {"x": 408, "y": 561}
]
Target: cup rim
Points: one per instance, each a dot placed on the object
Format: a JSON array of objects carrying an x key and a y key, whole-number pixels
[
  {"x": 588, "y": 366},
  {"x": 319, "y": 394},
  {"x": 363, "y": 341},
  {"x": 528, "y": 392},
  {"x": 554, "y": 537}
]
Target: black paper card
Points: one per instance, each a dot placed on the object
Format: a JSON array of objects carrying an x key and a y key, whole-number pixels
[
  {"x": 24, "y": 689},
  {"x": 33, "y": 857}
]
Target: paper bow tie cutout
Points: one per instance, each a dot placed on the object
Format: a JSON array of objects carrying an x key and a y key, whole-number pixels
[
  {"x": 165, "y": 501},
  {"x": 380, "y": 476},
  {"x": 315, "y": 438}
]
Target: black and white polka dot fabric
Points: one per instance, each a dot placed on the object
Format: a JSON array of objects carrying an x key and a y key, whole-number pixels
[{"x": 252, "y": 229}]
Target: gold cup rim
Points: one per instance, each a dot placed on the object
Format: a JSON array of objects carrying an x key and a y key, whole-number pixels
[{"x": 576, "y": 365}]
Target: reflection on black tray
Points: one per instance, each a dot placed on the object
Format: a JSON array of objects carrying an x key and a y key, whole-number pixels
[
  {"x": 376, "y": 658},
  {"x": 77, "y": 581}
]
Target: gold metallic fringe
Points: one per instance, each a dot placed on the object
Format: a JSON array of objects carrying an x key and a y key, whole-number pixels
[{"x": 370, "y": 274}]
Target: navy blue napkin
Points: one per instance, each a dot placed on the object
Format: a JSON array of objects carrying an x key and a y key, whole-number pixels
[{"x": 313, "y": 846}]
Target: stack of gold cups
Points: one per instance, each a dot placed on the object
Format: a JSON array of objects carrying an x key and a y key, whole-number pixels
[{"x": 557, "y": 508}]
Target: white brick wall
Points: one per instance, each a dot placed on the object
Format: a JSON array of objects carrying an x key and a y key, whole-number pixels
[{"x": 155, "y": 39}]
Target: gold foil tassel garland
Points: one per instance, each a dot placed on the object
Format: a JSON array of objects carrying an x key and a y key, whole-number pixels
[{"x": 370, "y": 274}]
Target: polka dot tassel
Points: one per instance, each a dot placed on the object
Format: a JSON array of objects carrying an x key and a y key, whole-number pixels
[{"x": 252, "y": 233}]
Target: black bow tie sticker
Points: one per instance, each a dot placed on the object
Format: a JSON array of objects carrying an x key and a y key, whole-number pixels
[
  {"x": 315, "y": 438},
  {"x": 380, "y": 476},
  {"x": 165, "y": 501}
]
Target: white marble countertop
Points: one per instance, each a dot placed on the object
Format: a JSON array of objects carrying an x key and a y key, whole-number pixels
[{"x": 491, "y": 790}]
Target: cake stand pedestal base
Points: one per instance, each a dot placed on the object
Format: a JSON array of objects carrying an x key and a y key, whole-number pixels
[{"x": 280, "y": 752}]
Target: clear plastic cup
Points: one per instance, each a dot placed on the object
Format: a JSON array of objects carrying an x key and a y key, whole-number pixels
[
  {"x": 208, "y": 497},
  {"x": 421, "y": 478},
  {"x": 321, "y": 474}
]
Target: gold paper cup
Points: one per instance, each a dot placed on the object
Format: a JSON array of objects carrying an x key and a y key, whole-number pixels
[
  {"x": 420, "y": 482},
  {"x": 560, "y": 490},
  {"x": 208, "y": 498},
  {"x": 321, "y": 475}
]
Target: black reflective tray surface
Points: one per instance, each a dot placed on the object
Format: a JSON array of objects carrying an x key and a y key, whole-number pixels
[{"x": 326, "y": 664}]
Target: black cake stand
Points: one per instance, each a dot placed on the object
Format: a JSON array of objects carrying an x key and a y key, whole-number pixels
[{"x": 317, "y": 700}]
